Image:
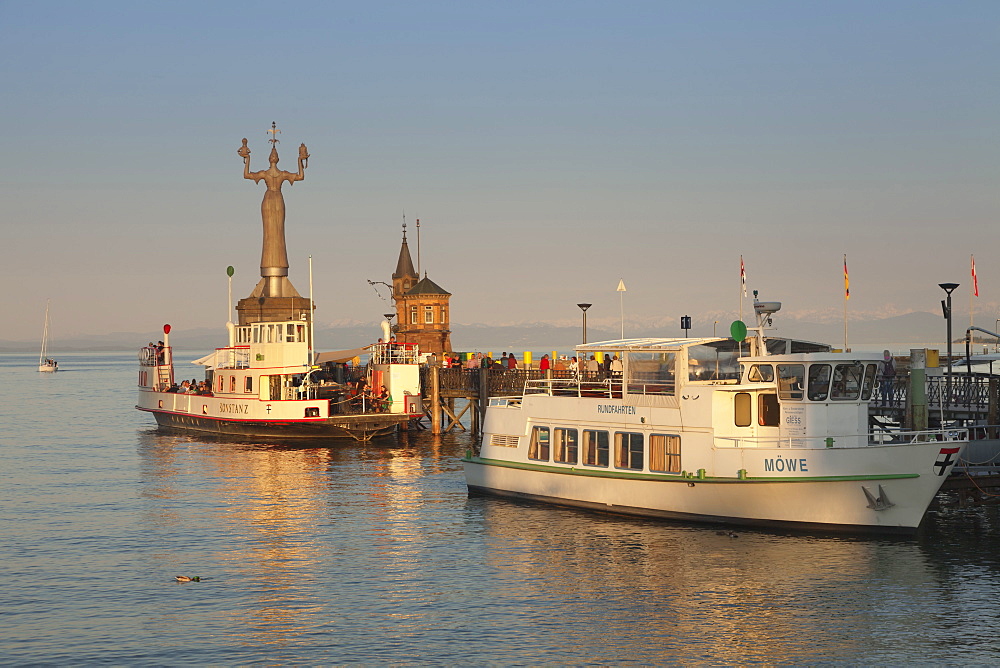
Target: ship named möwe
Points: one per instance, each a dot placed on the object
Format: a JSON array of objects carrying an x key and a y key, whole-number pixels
[{"x": 708, "y": 430}]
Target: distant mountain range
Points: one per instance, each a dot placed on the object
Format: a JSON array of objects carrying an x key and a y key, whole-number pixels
[{"x": 916, "y": 329}]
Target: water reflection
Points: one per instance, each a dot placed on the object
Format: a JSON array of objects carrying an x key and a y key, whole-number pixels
[
  {"x": 289, "y": 518},
  {"x": 261, "y": 504},
  {"x": 376, "y": 549},
  {"x": 757, "y": 597}
]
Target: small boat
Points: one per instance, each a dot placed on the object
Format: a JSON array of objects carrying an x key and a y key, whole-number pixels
[
  {"x": 268, "y": 383},
  {"x": 768, "y": 431},
  {"x": 45, "y": 363}
]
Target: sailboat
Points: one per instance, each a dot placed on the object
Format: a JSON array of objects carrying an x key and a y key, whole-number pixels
[{"x": 46, "y": 364}]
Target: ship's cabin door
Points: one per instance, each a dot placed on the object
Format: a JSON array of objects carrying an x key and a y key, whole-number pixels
[{"x": 756, "y": 409}]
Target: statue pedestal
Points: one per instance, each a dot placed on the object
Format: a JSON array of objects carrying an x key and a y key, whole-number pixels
[{"x": 272, "y": 309}]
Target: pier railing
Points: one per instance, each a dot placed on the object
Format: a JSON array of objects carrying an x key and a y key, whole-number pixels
[
  {"x": 500, "y": 382},
  {"x": 969, "y": 393}
]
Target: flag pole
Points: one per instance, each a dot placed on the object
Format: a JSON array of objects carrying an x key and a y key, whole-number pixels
[
  {"x": 974, "y": 291},
  {"x": 312, "y": 317},
  {"x": 621, "y": 299},
  {"x": 847, "y": 295},
  {"x": 743, "y": 285}
]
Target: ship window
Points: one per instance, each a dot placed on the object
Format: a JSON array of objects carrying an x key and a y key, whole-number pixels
[
  {"x": 790, "y": 377},
  {"x": 819, "y": 382},
  {"x": 847, "y": 381},
  {"x": 665, "y": 453},
  {"x": 761, "y": 373},
  {"x": 866, "y": 390},
  {"x": 651, "y": 373},
  {"x": 232, "y": 383},
  {"x": 768, "y": 410},
  {"x": 564, "y": 442},
  {"x": 429, "y": 315},
  {"x": 595, "y": 448},
  {"x": 248, "y": 386},
  {"x": 256, "y": 334},
  {"x": 300, "y": 333},
  {"x": 222, "y": 383},
  {"x": 290, "y": 333},
  {"x": 539, "y": 447},
  {"x": 628, "y": 451},
  {"x": 717, "y": 361},
  {"x": 742, "y": 405}
]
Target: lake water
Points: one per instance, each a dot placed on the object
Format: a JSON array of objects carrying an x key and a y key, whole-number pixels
[{"x": 346, "y": 553}]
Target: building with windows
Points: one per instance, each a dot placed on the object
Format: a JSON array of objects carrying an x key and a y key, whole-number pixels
[{"x": 422, "y": 312}]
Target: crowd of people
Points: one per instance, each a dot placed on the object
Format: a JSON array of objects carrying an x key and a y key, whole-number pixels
[
  {"x": 609, "y": 367},
  {"x": 192, "y": 386},
  {"x": 363, "y": 399}
]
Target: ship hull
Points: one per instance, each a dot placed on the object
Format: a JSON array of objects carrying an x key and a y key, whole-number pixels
[
  {"x": 358, "y": 427},
  {"x": 882, "y": 504}
]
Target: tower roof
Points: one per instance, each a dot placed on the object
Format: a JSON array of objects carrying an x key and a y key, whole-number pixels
[
  {"x": 404, "y": 266},
  {"x": 427, "y": 287}
]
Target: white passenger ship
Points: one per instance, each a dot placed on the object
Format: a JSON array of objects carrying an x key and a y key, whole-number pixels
[
  {"x": 691, "y": 429},
  {"x": 267, "y": 383}
]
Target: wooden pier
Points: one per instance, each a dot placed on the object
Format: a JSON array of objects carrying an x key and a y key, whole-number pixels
[{"x": 442, "y": 387}]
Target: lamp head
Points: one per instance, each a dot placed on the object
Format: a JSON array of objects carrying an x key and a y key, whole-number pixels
[
  {"x": 584, "y": 307},
  {"x": 948, "y": 287}
]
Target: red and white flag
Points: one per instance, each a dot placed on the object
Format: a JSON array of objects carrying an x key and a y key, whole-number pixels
[{"x": 975, "y": 281}]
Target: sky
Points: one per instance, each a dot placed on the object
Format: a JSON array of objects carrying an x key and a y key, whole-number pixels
[{"x": 549, "y": 149}]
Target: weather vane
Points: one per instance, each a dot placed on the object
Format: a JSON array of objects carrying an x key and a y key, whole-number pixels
[{"x": 274, "y": 131}]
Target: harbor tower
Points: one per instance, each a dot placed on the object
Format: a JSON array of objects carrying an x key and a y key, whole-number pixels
[{"x": 422, "y": 312}]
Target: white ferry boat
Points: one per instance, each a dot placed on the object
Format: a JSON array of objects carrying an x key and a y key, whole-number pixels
[
  {"x": 265, "y": 383},
  {"x": 693, "y": 429}
]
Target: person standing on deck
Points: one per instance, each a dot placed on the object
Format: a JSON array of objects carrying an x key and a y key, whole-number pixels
[{"x": 888, "y": 379}]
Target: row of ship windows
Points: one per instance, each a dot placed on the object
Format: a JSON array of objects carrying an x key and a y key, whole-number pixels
[
  {"x": 565, "y": 446},
  {"x": 281, "y": 332},
  {"x": 220, "y": 384}
]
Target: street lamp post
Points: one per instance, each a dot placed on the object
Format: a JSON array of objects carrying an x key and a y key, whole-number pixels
[
  {"x": 584, "y": 307},
  {"x": 946, "y": 308}
]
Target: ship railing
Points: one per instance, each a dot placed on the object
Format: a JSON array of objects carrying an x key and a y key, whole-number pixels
[
  {"x": 610, "y": 388},
  {"x": 845, "y": 440},
  {"x": 505, "y": 402},
  {"x": 237, "y": 357},
  {"x": 394, "y": 353},
  {"x": 154, "y": 356}
]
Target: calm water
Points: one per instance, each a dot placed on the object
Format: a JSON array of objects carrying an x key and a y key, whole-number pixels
[{"x": 374, "y": 554}]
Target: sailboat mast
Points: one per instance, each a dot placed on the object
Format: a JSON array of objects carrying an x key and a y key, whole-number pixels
[{"x": 45, "y": 334}]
